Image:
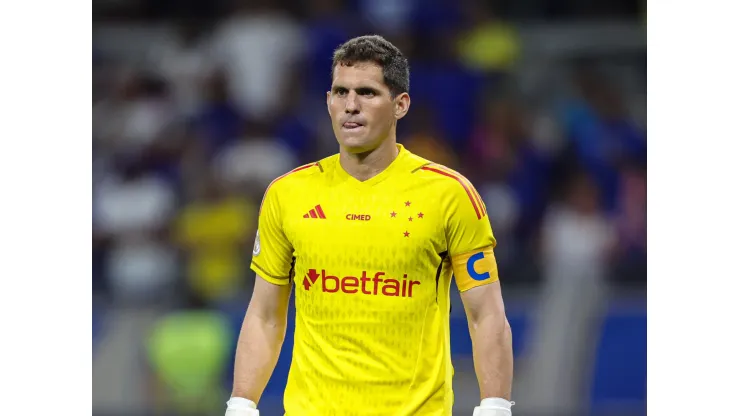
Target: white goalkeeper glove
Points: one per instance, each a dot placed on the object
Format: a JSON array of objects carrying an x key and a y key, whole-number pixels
[
  {"x": 239, "y": 406},
  {"x": 493, "y": 407}
]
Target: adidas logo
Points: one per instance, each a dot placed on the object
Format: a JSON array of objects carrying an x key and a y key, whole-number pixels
[{"x": 316, "y": 212}]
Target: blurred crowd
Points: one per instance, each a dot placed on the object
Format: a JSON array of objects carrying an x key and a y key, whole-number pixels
[{"x": 188, "y": 132}]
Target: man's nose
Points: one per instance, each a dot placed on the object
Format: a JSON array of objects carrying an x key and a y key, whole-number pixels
[{"x": 351, "y": 105}]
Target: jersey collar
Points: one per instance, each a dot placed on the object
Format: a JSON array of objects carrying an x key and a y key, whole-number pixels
[{"x": 380, "y": 177}]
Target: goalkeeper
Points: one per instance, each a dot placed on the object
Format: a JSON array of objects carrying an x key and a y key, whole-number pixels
[{"x": 369, "y": 239}]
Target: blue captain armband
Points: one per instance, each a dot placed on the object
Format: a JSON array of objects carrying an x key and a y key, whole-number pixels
[{"x": 475, "y": 268}]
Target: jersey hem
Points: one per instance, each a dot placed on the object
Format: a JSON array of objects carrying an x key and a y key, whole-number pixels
[{"x": 266, "y": 276}]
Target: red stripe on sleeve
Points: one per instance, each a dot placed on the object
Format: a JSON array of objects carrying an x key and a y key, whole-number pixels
[
  {"x": 461, "y": 182},
  {"x": 312, "y": 213},
  {"x": 284, "y": 175},
  {"x": 480, "y": 200}
]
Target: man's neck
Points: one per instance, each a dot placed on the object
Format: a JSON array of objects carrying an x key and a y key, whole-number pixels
[{"x": 363, "y": 166}]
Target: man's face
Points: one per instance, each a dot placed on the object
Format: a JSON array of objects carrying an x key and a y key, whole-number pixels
[{"x": 361, "y": 107}]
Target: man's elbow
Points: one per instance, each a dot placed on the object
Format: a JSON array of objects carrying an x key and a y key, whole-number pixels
[
  {"x": 507, "y": 331},
  {"x": 502, "y": 328},
  {"x": 495, "y": 325},
  {"x": 497, "y": 332}
]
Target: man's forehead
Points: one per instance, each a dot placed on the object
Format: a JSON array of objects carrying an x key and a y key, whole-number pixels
[{"x": 358, "y": 72}]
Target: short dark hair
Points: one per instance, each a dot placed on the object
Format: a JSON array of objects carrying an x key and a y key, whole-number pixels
[{"x": 374, "y": 48}]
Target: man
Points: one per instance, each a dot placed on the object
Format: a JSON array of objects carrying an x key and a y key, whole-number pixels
[{"x": 371, "y": 238}]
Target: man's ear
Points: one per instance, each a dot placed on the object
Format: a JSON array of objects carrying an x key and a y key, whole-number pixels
[
  {"x": 328, "y": 102},
  {"x": 403, "y": 102}
]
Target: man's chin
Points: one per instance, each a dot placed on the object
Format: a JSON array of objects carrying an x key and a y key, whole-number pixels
[{"x": 356, "y": 144}]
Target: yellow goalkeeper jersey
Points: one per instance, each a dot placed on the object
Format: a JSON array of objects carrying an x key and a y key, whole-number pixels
[{"x": 372, "y": 263}]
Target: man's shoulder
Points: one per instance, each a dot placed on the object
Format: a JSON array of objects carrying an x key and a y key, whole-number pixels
[
  {"x": 439, "y": 175},
  {"x": 297, "y": 176},
  {"x": 451, "y": 187}
]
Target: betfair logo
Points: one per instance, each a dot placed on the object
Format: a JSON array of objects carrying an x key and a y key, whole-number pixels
[{"x": 375, "y": 286}]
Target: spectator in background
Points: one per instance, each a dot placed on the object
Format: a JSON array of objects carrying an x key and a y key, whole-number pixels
[
  {"x": 194, "y": 160},
  {"x": 578, "y": 237},
  {"x": 326, "y": 26},
  {"x": 219, "y": 122},
  {"x": 547, "y": 135},
  {"x": 509, "y": 167},
  {"x": 236, "y": 172},
  {"x": 427, "y": 140},
  {"x": 100, "y": 243},
  {"x": 256, "y": 47},
  {"x": 103, "y": 73},
  {"x": 390, "y": 17},
  {"x": 578, "y": 242},
  {"x": 601, "y": 132},
  {"x": 135, "y": 116},
  {"x": 215, "y": 230},
  {"x": 440, "y": 82},
  {"x": 186, "y": 62},
  {"x": 489, "y": 44},
  {"x": 253, "y": 161},
  {"x": 133, "y": 212},
  {"x": 300, "y": 111},
  {"x": 188, "y": 353},
  {"x": 632, "y": 222}
]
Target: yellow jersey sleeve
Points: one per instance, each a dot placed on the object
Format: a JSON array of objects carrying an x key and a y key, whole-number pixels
[
  {"x": 272, "y": 257},
  {"x": 470, "y": 238}
]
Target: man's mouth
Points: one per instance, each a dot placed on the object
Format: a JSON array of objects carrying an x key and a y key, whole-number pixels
[{"x": 351, "y": 125}]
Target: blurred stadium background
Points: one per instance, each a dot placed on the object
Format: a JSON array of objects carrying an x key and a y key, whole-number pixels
[{"x": 198, "y": 105}]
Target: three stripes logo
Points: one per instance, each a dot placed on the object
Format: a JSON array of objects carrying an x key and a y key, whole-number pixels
[{"x": 316, "y": 212}]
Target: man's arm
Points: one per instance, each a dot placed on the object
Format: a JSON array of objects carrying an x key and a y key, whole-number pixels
[
  {"x": 491, "y": 335},
  {"x": 470, "y": 242},
  {"x": 260, "y": 339}
]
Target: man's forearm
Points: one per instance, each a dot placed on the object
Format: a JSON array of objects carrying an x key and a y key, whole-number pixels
[
  {"x": 492, "y": 355},
  {"x": 257, "y": 353}
]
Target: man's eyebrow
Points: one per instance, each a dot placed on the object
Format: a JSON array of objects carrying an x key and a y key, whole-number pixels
[
  {"x": 361, "y": 88},
  {"x": 367, "y": 88}
]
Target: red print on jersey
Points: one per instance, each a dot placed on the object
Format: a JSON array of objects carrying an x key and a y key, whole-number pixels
[
  {"x": 379, "y": 285},
  {"x": 358, "y": 217},
  {"x": 316, "y": 212}
]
